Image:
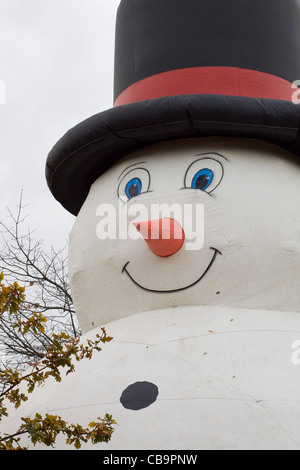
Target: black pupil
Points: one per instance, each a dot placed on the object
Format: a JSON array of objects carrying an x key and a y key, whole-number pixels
[
  {"x": 134, "y": 190},
  {"x": 202, "y": 182}
]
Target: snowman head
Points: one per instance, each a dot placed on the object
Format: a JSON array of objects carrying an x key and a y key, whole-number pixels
[{"x": 190, "y": 222}]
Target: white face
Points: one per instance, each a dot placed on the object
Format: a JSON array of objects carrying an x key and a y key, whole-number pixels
[{"x": 237, "y": 204}]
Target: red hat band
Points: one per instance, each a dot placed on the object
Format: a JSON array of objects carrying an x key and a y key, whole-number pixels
[{"x": 230, "y": 81}]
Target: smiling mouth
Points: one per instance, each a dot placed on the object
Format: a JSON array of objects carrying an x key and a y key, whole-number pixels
[{"x": 216, "y": 252}]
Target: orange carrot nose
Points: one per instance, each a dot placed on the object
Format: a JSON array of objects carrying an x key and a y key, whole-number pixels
[{"x": 164, "y": 236}]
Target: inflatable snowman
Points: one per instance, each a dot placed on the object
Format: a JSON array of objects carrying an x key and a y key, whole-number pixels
[{"x": 186, "y": 245}]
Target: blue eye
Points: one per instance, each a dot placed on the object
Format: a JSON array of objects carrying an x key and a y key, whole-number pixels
[
  {"x": 133, "y": 188},
  {"x": 202, "y": 179}
]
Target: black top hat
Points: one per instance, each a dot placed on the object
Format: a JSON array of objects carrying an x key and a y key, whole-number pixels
[{"x": 188, "y": 68}]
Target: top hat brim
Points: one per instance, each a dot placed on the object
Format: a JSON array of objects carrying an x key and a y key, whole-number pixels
[{"x": 86, "y": 151}]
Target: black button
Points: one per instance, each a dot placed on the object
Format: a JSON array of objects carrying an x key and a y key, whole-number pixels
[{"x": 139, "y": 395}]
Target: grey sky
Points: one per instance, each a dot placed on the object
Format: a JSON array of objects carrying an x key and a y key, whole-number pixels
[{"x": 56, "y": 60}]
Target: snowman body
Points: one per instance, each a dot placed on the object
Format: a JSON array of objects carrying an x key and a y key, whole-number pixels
[{"x": 186, "y": 378}]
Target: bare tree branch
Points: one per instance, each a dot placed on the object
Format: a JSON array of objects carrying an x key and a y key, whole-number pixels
[{"x": 45, "y": 277}]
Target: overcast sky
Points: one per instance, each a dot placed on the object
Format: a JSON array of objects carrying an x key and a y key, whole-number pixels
[{"x": 56, "y": 62}]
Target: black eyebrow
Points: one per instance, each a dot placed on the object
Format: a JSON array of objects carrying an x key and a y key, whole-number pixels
[
  {"x": 212, "y": 153},
  {"x": 134, "y": 164}
]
